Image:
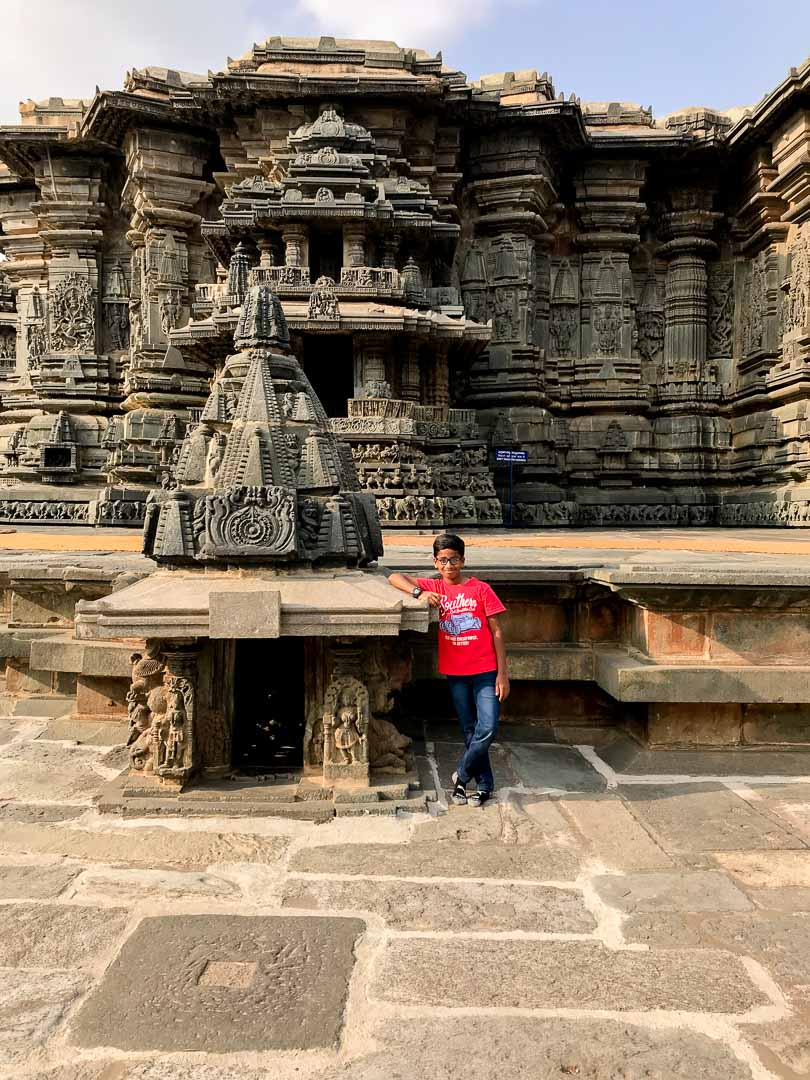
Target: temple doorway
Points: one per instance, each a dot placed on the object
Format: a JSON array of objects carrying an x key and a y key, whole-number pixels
[
  {"x": 329, "y": 365},
  {"x": 268, "y": 729}
]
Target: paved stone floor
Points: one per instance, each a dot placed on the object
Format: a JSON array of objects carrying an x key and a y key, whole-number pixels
[{"x": 590, "y": 923}]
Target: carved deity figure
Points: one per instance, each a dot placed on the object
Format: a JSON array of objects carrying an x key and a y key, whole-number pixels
[{"x": 346, "y": 735}]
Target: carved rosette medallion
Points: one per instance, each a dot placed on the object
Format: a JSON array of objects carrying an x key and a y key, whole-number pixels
[{"x": 251, "y": 522}]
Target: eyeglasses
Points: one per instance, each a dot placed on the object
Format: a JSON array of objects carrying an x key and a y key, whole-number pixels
[{"x": 454, "y": 561}]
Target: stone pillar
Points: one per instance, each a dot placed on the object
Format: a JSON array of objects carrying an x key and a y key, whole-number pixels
[
  {"x": 391, "y": 250},
  {"x": 687, "y": 228},
  {"x": 410, "y": 380},
  {"x": 436, "y": 376},
  {"x": 295, "y": 244},
  {"x": 609, "y": 211},
  {"x": 354, "y": 244}
]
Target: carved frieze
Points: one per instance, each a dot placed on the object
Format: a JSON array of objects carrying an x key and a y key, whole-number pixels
[
  {"x": 752, "y": 320},
  {"x": 250, "y": 522},
  {"x": 721, "y": 312},
  {"x": 72, "y": 310}
]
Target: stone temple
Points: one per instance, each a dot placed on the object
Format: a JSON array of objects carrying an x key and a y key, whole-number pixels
[
  {"x": 264, "y": 313},
  {"x": 461, "y": 265}
]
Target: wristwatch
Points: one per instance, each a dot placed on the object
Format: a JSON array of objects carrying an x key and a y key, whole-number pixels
[{"x": 416, "y": 592}]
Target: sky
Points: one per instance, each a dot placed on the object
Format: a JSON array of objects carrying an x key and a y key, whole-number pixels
[{"x": 720, "y": 53}]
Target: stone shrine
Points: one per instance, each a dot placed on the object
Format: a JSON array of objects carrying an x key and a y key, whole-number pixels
[
  {"x": 261, "y": 627},
  {"x": 462, "y": 266}
]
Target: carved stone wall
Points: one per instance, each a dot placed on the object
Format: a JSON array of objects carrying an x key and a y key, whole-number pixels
[{"x": 627, "y": 299}]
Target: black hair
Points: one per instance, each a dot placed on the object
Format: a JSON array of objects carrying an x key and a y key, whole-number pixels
[{"x": 448, "y": 540}]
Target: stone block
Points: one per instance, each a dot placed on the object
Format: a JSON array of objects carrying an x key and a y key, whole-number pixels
[
  {"x": 671, "y": 724},
  {"x": 461, "y": 906},
  {"x": 228, "y": 982},
  {"x": 674, "y": 634},
  {"x": 110, "y": 732},
  {"x": 49, "y": 772},
  {"x": 768, "y": 869},
  {"x": 614, "y": 835},
  {"x": 560, "y": 767},
  {"x": 759, "y": 637},
  {"x": 527, "y": 621},
  {"x": 442, "y": 859},
  {"x": 681, "y": 891},
  {"x": 57, "y": 936},
  {"x": 35, "y": 882},
  {"x": 101, "y": 697},
  {"x": 575, "y": 975},
  {"x": 705, "y": 818},
  {"x": 520, "y": 1048},
  {"x": 254, "y": 614},
  {"x": 147, "y": 847},
  {"x": 32, "y": 1009},
  {"x": 130, "y": 886},
  {"x": 772, "y": 725}
]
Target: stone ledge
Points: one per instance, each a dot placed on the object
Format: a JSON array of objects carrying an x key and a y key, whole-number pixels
[
  {"x": 62, "y": 652},
  {"x": 627, "y": 679}
]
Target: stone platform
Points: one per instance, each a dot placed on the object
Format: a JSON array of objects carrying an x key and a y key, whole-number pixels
[{"x": 667, "y": 914}]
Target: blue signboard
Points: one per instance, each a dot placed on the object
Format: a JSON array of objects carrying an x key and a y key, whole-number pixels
[{"x": 512, "y": 457}]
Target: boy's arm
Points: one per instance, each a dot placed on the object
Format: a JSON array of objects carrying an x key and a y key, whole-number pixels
[
  {"x": 499, "y": 641},
  {"x": 407, "y": 583}
]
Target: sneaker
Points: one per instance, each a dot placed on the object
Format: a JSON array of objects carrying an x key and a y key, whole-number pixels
[
  {"x": 459, "y": 792},
  {"x": 478, "y": 798}
]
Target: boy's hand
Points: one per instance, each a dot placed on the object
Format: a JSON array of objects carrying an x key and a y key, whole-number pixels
[
  {"x": 502, "y": 687},
  {"x": 432, "y": 598}
]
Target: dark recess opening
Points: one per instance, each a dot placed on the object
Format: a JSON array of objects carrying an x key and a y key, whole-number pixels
[
  {"x": 56, "y": 457},
  {"x": 329, "y": 366},
  {"x": 268, "y": 729},
  {"x": 325, "y": 255}
]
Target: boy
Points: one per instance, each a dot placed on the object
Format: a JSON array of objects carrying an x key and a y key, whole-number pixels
[{"x": 472, "y": 654}]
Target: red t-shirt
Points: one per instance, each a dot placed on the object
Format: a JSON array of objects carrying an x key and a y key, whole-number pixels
[{"x": 465, "y": 639}]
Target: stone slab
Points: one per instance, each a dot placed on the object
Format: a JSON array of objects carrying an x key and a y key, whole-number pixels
[
  {"x": 463, "y": 906},
  {"x": 448, "y": 754},
  {"x": 561, "y": 975},
  {"x": 700, "y": 890},
  {"x": 785, "y": 899},
  {"x": 768, "y": 869},
  {"x": 628, "y": 757},
  {"x": 35, "y": 882},
  {"x": 704, "y": 817},
  {"x": 780, "y": 942},
  {"x": 87, "y": 732},
  {"x": 784, "y": 1047},
  {"x": 614, "y": 835},
  {"x": 290, "y": 992},
  {"x": 560, "y": 767},
  {"x": 32, "y": 1008},
  {"x": 32, "y": 813},
  {"x": 441, "y": 859},
  {"x": 146, "y": 847},
  {"x": 513, "y": 1048},
  {"x": 256, "y": 614},
  {"x": 57, "y": 936},
  {"x": 130, "y": 886}
]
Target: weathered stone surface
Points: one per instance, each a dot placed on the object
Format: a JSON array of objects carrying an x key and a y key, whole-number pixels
[
  {"x": 559, "y": 767},
  {"x": 34, "y": 771},
  {"x": 696, "y": 818},
  {"x": 574, "y": 975},
  {"x": 686, "y": 891},
  {"x": 768, "y": 869},
  {"x": 34, "y": 882},
  {"x": 628, "y": 757},
  {"x": 33, "y": 813},
  {"x": 442, "y": 859},
  {"x": 784, "y": 1046},
  {"x": 143, "y": 847},
  {"x": 463, "y": 906},
  {"x": 614, "y": 835},
  {"x": 291, "y": 991},
  {"x": 107, "y": 733},
  {"x": 524, "y": 1049},
  {"x": 57, "y": 936},
  {"x": 32, "y": 1007},
  {"x": 128, "y": 886},
  {"x": 781, "y": 942},
  {"x": 785, "y": 899},
  {"x": 448, "y": 755}
]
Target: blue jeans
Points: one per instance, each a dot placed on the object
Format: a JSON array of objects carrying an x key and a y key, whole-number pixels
[{"x": 478, "y": 711}]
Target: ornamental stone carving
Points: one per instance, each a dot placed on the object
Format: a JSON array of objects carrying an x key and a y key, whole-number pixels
[{"x": 73, "y": 315}]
